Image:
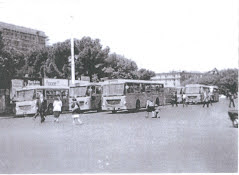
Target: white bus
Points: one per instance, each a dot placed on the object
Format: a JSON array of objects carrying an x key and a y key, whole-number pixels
[
  {"x": 194, "y": 93},
  {"x": 26, "y": 98},
  {"x": 123, "y": 94},
  {"x": 88, "y": 96}
]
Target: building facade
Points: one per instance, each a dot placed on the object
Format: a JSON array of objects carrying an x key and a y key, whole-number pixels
[
  {"x": 22, "y": 38},
  {"x": 175, "y": 79}
]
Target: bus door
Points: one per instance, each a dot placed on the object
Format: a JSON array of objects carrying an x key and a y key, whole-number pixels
[{"x": 93, "y": 97}]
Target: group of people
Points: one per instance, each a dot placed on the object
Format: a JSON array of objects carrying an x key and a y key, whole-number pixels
[
  {"x": 174, "y": 100},
  {"x": 42, "y": 109}
]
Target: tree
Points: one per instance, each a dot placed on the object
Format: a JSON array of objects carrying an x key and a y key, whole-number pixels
[
  {"x": 144, "y": 74},
  {"x": 228, "y": 80},
  {"x": 117, "y": 66},
  {"x": 91, "y": 58},
  {"x": 11, "y": 62}
]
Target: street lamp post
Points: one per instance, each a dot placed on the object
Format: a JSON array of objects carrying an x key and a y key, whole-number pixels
[{"x": 72, "y": 56}]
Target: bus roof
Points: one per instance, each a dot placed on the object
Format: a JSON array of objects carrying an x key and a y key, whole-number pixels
[
  {"x": 42, "y": 87},
  {"x": 213, "y": 86},
  {"x": 196, "y": 85},
  {"x": 87, "y": 84},
  {"x": 122, "y": 81}
]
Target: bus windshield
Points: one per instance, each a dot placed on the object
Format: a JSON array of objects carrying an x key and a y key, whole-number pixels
[
  {"x": 192, "y": 90},
  {"x": 78, "y": 91},
  {"x": 25, "y": 95},
  {"x": 113, "y": 89}
]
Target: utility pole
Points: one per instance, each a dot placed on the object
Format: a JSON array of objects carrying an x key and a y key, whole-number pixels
[{"x": 72, "y": 55}]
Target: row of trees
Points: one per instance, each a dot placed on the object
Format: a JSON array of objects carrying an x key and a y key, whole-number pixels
[{"x": 91, "y": 59}]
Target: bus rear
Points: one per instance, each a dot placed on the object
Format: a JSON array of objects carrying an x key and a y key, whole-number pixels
[{"x": 194, "y": 93}]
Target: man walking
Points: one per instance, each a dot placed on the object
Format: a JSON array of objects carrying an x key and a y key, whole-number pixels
[
  {"x": 231, "y": 98},
  {"x": 175, "y": 99},
  {"x": 205, "y": 98},
  {"x": 184, "y": 99}
]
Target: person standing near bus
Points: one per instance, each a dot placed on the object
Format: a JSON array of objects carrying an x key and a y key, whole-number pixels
[
  {"x": 231, "y": 98},
  {"x": 205, "y": 98},
  {"x": 175, "y": 99},
  {"x": 210, "y": 94},
  {"x": 75, "y": 112},
  {"x": 43, "y": 110},
  {"x": 57, "y": 105},
  {"x": 150, "y": 108},
  {"x": 184, "y": 99},
  {"x": 39, "y": 98}
]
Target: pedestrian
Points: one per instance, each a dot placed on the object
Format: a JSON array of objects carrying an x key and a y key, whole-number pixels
[
  {"x": 57, "y": 105},
  {"x": 150, "y": 108},
  {"x": 184, "y": 99},
  {"x": 205, "y": 98},
  {"x": 210, "y": 97},
  {"x": 231, "y": 98},
  {"x": 75, "y": 112},
  {"x": 38, "y": 106},
  {"x": 43, "y": 110},
  {"x": 39, "y": 101},
  {"x": 157, "y": 109},
  {"x": 175, "y": 99}
]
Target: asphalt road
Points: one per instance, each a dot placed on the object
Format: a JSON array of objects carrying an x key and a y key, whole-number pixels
[{"x": 192, "y": 139}]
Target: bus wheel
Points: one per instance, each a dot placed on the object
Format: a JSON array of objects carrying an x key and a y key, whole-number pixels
[
  {"x": 50, "y": 109},
  {"x": 114, "y": 111},
  {"x": 137, "y": 105}
]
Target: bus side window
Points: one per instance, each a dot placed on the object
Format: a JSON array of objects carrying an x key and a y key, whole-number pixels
[
  {"x": 148, "y": 88},
  {"x": 142, "y": 88},
  {"x": 136, "y": 88},
  {"x": 157, "y": 88}
]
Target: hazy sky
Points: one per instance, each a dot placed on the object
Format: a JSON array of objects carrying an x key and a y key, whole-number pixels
[{"x": 159, "y": 35}]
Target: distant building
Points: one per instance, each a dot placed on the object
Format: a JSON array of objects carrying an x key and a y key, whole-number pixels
[
  {"x": 175, "y": 79},
  {"x": 22, "y": 38}
]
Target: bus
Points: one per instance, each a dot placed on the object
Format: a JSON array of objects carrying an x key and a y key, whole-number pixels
[
  {"x": 194, "y": 93},
  {"x": 88, "y": 95},
  {"x": 124, "y": 94},
  {"x": 215, "y": 93},
  {"x": 26, "y": 98}
]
